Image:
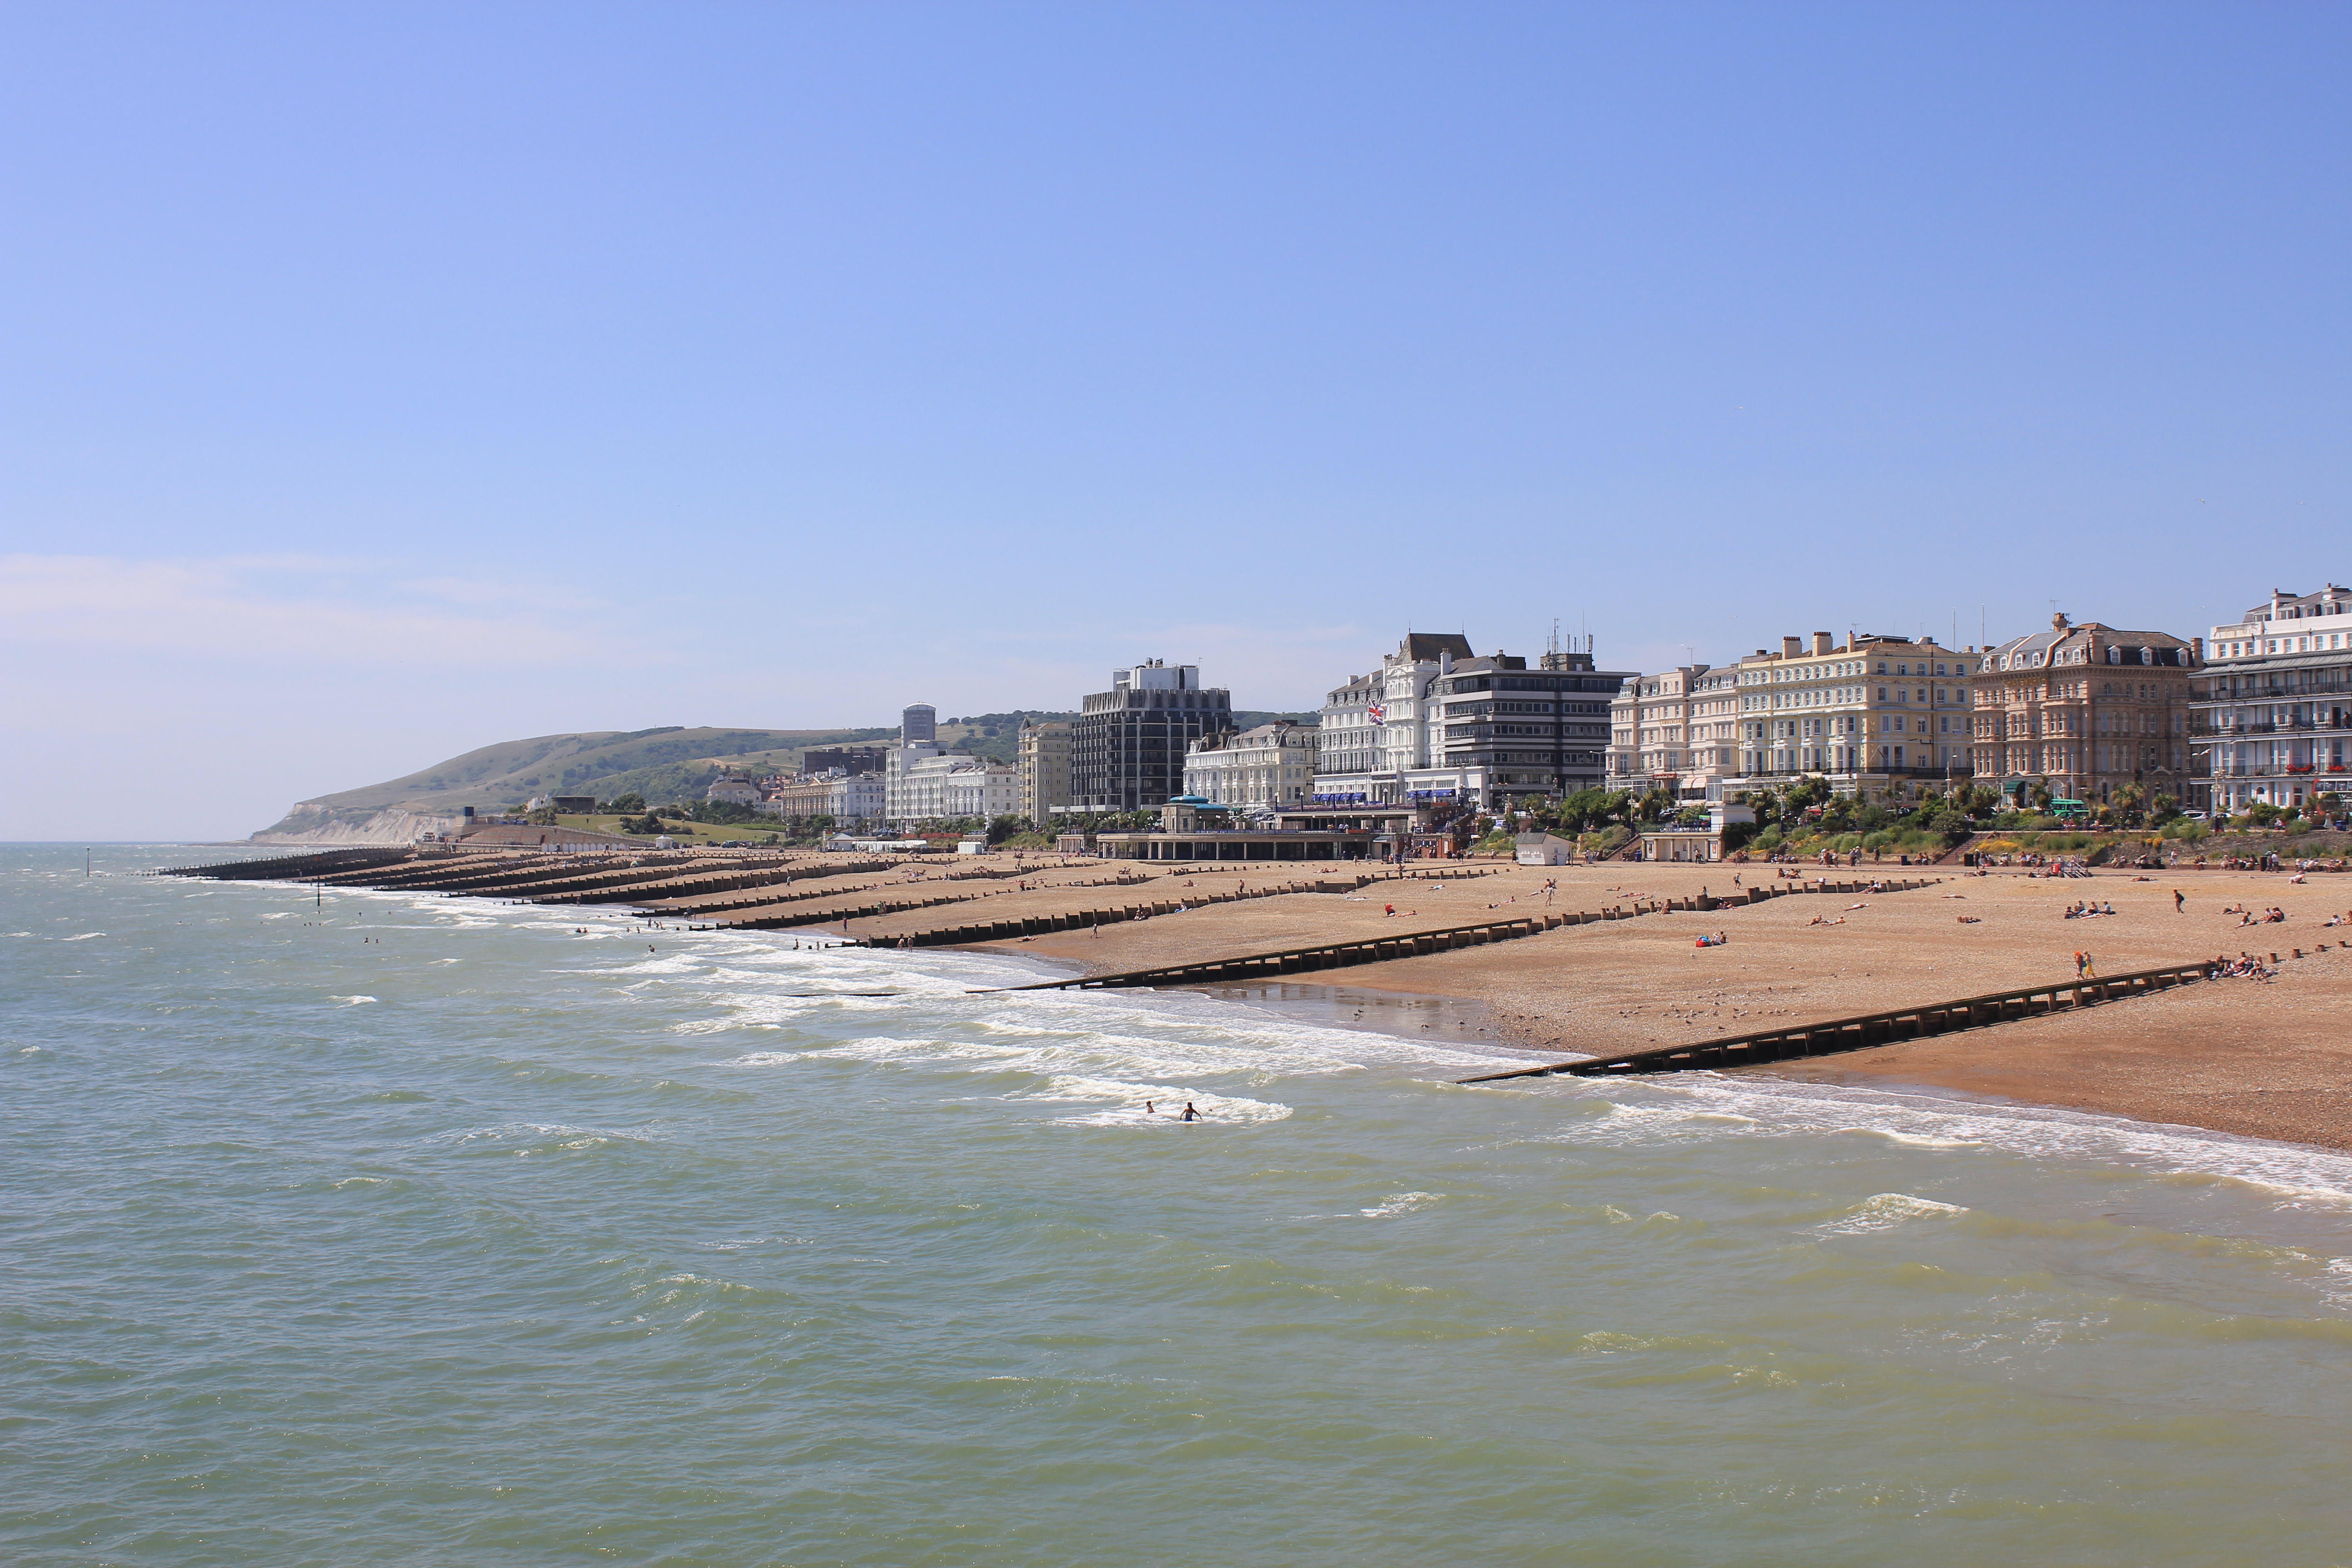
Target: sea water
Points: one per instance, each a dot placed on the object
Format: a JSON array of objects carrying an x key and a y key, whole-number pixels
[{"x": 378, "y": 1228}]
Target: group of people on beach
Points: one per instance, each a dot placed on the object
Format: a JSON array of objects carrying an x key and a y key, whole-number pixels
[
  {"x": 2085, "y": 909},
  {"x": 2269, "y": 860}
]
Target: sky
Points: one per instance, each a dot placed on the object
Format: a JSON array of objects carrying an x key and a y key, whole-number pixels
[{"x": 382, "y": 381}]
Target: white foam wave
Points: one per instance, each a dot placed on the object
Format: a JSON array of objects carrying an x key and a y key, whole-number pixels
[
  {"x": 351, "y": 1001},
  {"x": 1882, "y": 1211},
  {"x": 552, "y": 1134},
  {"x": 885, "y": 1049},
  {"x": 1655, "y": 1108},
  {"x": 85, "y": 936},
  {"x": 1401, "y": 1203},
  {"x": 1917, "y": 1140},
  {"x": 1169, "y": 1108}
]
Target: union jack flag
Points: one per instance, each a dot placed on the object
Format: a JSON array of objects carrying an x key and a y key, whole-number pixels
[{"x": 1377, "y": 712}]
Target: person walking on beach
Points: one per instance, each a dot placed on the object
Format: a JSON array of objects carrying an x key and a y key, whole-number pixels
[
  {"x": 2176, "y": 900},
  {"x": 2082, "y": 963}
]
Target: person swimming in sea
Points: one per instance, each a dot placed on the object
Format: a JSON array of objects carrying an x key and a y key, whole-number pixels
[{"x": 1190, "y": 1114}]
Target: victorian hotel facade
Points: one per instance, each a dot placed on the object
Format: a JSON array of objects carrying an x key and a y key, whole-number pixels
[
  {"x": 2275, "y": 714},
  {"x": 1882, "y": 717},
  {"x": 2084, "y": 710}
]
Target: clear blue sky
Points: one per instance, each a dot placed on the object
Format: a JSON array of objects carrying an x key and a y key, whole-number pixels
[{"x": 386, "y": 381}]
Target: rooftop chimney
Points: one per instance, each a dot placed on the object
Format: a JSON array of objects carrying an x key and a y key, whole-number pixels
[
  {"x": 1790, "y": 647},
  {"x": 1821, "y": 642}
]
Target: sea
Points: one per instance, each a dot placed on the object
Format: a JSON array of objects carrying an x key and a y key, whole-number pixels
[{"x": 354, "y": 1228}]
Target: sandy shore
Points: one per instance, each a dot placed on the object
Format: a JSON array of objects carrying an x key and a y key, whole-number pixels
[{"x": 2266, "y": 1060}]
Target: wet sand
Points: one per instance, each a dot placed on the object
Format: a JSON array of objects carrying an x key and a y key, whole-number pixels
[{"x": 2267, "y": 1061}]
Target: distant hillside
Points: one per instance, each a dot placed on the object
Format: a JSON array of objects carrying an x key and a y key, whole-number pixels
[
  {"x": 661, "y": 764},
  {"x": 671, "y": 763}
]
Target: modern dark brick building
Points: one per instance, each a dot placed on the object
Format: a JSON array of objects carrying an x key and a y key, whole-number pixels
[{"x": 1127, "y": 744}]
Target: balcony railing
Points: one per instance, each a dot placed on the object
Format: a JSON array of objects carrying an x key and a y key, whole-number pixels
[
  {"x": 1933, "y": 771},
  {"x": 2282, "y": 770}
]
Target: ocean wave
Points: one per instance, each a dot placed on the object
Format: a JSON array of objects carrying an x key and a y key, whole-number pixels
[
  {"x": 525, "y": 1138},
  {"x": 1653, "y": 1109},
  {"x": 1399, "y": 1203},
  {"x": 1915, "y": 1140},
  {"x": 1213, "y": 1109},
  {"x": 351, "y": 1001},
  {"x": 1882, "y": 1211}
]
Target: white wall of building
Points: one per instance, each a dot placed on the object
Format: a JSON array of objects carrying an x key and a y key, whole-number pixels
[
  {"x": 1271, "y": 765},
  {"x": 923, "y": 784}
]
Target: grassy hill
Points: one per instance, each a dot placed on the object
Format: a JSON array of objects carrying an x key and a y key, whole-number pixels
[
  {"x": 661, "y": 764},
  {"x": 671, "y": 763}
]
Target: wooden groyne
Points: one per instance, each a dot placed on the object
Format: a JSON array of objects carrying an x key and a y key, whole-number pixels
[
  {"x": 1868, "y": 1029},
  {"x": 1084, "y": 919},
  {"x": 760, "y": 922},
  {"x": 296, "y": 868},
  {"x": 1256, "y": 966}
]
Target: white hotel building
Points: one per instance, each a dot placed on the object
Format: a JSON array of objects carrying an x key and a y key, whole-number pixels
[
  {"x": 1879, "y": 717},
  {"x": 921, "y": 783},
  {"x": 2274, "y": 717},
  {"x": 1381, "y": 741},
  {"x": 1269, "y": 767}
]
